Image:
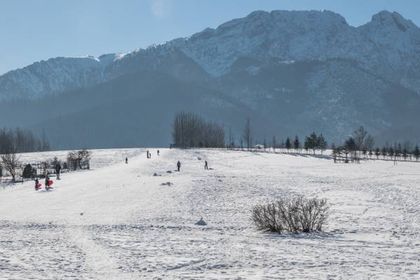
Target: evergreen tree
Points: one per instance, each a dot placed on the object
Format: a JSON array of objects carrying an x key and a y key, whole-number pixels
[
  {"x": 350, "y": 145},
  {"x": 391, "y": 152},
  {"x": 296, "y": 143},
  {"x": 405, "y": 153},
  {"x": 377, "y": 153},
  {"x": 416, "y": 152},
  {"x": 384, "y": 152},
  {"x": 321, "y": 143},
  {"x": 311, "y": 142},
  {"x": 274, "y": 143},
  {"x": 288, "y": 144},
  {"x": 397, "y": 150}
]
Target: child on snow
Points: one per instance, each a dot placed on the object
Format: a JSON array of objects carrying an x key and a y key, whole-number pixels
[
  {"x": 48, "y": 183},
  {"x": 37, "y": 184}
]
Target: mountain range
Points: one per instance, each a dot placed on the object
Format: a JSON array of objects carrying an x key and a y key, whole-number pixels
[{"x": 290, "y": 72}]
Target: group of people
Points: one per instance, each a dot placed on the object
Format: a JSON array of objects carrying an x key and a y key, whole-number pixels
[
  {"x": 149, "y": 154},
  {"x": 178, "y": 165},
  {"x": 48, "y": 181}
]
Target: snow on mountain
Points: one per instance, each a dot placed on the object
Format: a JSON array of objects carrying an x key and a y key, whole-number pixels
[
  {"x": 54, "y": 76},
  {"x": 387, "y": 44},
  {"x": 280, "y": 34}
]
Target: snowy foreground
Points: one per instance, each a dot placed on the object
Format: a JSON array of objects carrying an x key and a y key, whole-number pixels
[{"x": 118, "y": 221}]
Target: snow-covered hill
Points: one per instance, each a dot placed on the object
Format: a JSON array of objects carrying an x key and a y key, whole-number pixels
[{"x": 119, "y": 221}]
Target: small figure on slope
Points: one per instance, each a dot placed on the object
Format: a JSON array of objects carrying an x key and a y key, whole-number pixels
[
  {"x": 206, "y": 165},
  {"x": 126, "y": 160},
  {"x": 178, "y": 165},
  {"x": 58, "y": 170},
  {"x": 37, "y": 184},
  {"x": 158, "y": 152},
  {"x": 48, "y": 183}
]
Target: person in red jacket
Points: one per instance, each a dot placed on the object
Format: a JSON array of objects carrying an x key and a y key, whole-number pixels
[
  {"x": 37, "y": 184},
  {"x": 48, "y": 183}
]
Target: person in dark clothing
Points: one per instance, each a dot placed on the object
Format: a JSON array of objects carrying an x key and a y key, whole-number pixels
[
  {"x": 158, "y": 152},
  {"x": 37, "y": 184},
  {"x": 58, "y": 170},
  {"x": 178, "y": 165},
  {"x": 126, "y": 160},
  {"x": 206, "y": 165}
]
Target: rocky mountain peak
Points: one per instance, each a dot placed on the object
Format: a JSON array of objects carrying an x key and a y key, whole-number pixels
[{"x": 388, "y": 19}]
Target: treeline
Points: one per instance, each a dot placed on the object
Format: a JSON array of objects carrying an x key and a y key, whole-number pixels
[
  {"x": 20, "y": 141},
  {"x": 191, "y": 130},
  {"x": 362, "y": 145},
  {"x": 312, "y": 142}
]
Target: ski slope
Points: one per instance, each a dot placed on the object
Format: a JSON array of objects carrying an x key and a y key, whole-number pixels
[{"x": 119, "y": 221}]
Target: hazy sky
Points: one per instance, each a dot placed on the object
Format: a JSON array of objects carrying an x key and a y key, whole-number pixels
[{"x": 32, "y": 30}]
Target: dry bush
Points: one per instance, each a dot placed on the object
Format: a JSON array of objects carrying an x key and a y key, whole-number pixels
[{"x": 295, "y": 214}]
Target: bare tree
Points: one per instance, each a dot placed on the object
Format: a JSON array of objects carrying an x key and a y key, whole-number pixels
[
  {"x": 84, "y": 158},
  {"x": 20, "y": 140},
  {"x": 231, "y": 141},
  {"x": 247, "y": 134},
  {"x": 10, "y": 162},
  {"x": 274, "y": 143},
  {"x": 369, "y": 142},
  {"x": 359, "y": 137},
  {"x": 79, "y": 159},
  {"x": 190, "y": 130}
]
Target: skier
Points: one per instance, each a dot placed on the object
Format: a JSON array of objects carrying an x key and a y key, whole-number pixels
[
  {"x": 178, "y": 165},
  {"x": 57, "y": 170},
  {"x": 158, "y": 152},
  {"x": 206, "y": 165},
  {"x": 37, "y": 184},
  {"x": 126, "y": 160}
]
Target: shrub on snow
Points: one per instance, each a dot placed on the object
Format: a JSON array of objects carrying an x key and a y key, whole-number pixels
[{"x": 294, "y": 214}]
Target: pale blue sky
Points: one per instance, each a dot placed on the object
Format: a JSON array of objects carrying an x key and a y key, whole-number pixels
[{"x": 32, "y": 30}]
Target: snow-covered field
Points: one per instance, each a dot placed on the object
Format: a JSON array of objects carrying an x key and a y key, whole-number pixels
[{"x": 118, "y": 221}]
